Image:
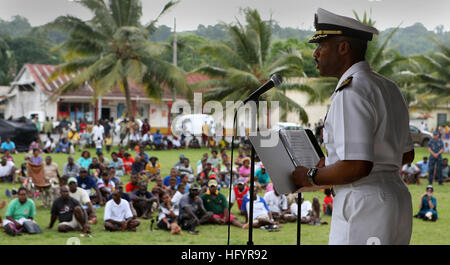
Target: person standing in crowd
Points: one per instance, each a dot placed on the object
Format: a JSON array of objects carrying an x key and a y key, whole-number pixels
[
  {"x": 48, "y": 127},
  {"x": 98, "y": 131},
  {"x": 367, "y": 116},
  {"x": 436, "y": 148}
]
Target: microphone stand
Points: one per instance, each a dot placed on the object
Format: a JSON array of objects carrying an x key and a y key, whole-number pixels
[
  {"x": 252, "y": 177},
  {"x": 299, "y": 217}
]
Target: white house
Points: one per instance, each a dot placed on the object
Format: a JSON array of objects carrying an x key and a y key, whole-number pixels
[{"x": 30, "y": 93}]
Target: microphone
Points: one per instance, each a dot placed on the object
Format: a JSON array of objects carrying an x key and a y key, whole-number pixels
[{"x": 275, "y": 80}]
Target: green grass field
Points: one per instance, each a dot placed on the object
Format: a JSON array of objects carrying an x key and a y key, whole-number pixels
[{"x": 423, "y": 232}]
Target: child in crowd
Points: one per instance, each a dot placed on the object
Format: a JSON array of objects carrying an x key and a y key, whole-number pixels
[
  {"x": 108, "y": 143},
  {"x": 99, "y": 145}
]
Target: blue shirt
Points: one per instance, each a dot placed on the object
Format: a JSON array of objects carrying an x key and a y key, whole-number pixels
[
  {"x": 259, "y": 199},
  {"x": 262, "y": 178},
  {"x": 423, "y": 167},
  {"x": 83, "y": 162},
  {"x": 87, "y": 184},
  {"x": 166, "y": 181},
  {"x": 8, "y": 146},
  {"x": 426, "y": 208},
  {"x": 436, "y": 146},
  {"x": 157, "y": 138}
]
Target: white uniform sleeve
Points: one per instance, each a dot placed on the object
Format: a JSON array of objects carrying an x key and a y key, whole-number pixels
[
  {"x": 354, "y": 124},
  {"x": 409, "y": 143}
]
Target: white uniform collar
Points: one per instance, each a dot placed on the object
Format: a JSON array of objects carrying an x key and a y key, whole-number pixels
[{"x": 359, "y": 66}]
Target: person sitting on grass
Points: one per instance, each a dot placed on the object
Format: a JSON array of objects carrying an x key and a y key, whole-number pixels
[
  {"x": 262, "y": 178},
  {"x": 71, "y": 168},
  {"x": 173, "y": 173},
  {"x": 186, "y": 169},
  {"x": 118, "y": 215},
  {"x": 410, "y": 173},
  {"x": 117, "y": 164},
  {"x": 172, "y": 189},
  {"x": 133, "y": 185},
  {"x": 2, "y": 205},
  {"x": 428, "y": 206},
  {"x": 278, "y": 206},
  {"x": 237, "y": 195},
  {"x": 168, "y": 215},
  {"x": 82, "y": 196},
  {"x": 8, "y": 156},
  {"x": 144, "y": 201},
  {"x": 215, "y": 202},
  {"x": 153, "y": 168},
  {"x": 106, "y": 186},
  {"x": 69, "y": 212},
  {"x": 128, "y": 163},
  {"x": 20, "y": 210},
  {"x": 262, "y": 217},
  {"x": 63, "y": 146},
  {"x": 88, "y": 183},
  {"x": 328, "y": 202},
  {"x": 192, "y": 211},
  {"x": 175, "y": 199},
  {"x": 7, "y": 171},
  {"x": 8, "y": 145},
  {"x": 138, "y": 165},
  {"x": 85, "y": 160}
]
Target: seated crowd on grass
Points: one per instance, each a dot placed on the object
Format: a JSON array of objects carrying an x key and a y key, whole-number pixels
[{"x": 182, "y": 200}]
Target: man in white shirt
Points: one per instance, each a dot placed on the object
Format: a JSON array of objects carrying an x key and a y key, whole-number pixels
[
  {"x": 410, "y": 173},
  {"x": 98, "y": 131},
  {"x": 118, "y": 215},
  {"x": 278, "y": 207},
  {"x": 7, "y": 171},
  {"x": 82, "y": 196},
  {"x": 367, "y": 137},
  {"x": 262, "y": 217}
]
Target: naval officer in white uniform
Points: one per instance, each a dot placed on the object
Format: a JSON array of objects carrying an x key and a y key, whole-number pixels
[{"x": 366, "y": 135}]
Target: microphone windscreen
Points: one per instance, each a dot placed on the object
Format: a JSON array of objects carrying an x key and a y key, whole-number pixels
[{"x": 276, "y": 79}]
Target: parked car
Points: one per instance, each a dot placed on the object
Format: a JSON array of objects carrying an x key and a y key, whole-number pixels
[
  {"x": 21, "y": 131},
  {"x": 419, "y": 136}
]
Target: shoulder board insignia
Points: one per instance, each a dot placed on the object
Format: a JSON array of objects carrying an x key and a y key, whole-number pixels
[{"x": 344, "y": 84}]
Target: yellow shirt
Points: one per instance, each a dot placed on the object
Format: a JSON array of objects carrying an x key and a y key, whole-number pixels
[
  {"x": 153, "y": 169},
  {"x": 73, "y": 136},
  {"x": 108, "y": 141}
]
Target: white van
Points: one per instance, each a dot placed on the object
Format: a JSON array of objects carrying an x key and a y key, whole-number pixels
[{"x": 192, "y": 124}]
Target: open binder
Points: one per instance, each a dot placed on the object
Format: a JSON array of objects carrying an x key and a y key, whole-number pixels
[{"x": 281, "y": 151}]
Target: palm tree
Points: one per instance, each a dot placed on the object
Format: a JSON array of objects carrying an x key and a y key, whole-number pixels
[
  {"x": 113, "y": 49},
  {"x": 7, "y": 62},
  {"x": 244, "y": 64}
]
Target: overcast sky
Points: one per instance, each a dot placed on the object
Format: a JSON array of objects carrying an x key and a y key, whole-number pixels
[{"x": 293, "y": 13}]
